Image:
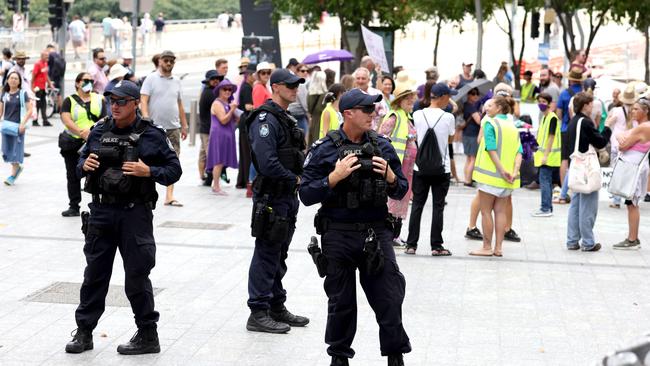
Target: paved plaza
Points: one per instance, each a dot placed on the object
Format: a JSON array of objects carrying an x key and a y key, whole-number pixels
[{"x": 538, "y": 305}]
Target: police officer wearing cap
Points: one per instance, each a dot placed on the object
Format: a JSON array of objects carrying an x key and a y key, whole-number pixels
[
  {"x": 277, "y": 145},
  {"x": 351, "y": 172},
  {"x": 124, "y": 158}
]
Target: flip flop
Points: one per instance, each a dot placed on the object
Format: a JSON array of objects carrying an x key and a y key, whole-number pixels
[
  {"x": 478, "y": 253},
  {"x": 174, "y": 203},
  {"x": 498, "y": 254},
  {"x": 442, "y": 252}
]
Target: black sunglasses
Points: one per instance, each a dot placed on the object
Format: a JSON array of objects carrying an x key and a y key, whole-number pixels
[
  {"x": 264, "y": 72},
  {"x": 367, "y": 109},
  {"x": 120, "y": 102},
  {"x": 303, "y": 70},
  {"x": 169, "y": 60},
  {"x": 291, "y": 86},
  {"x": 88, "y": 80}
]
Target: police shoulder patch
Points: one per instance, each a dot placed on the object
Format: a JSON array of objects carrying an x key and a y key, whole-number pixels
[
  {"x": 264, "y": 130},
  {"x": 261, "y": 116},
  {"x": 169, "y": 143},
  {"x": 308, "y": 158},
  {"x": 318, "y": 142}
]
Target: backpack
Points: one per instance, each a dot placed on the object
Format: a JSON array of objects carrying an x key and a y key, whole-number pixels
[
  {"x": 56, "y": 65},
  {"x": 429, "y": 161}
]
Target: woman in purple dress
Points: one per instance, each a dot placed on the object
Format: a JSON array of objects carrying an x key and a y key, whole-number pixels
[{"x": 222, "y": 148}]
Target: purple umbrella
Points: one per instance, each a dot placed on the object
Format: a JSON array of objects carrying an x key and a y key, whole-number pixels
[{"x": 328, "y": 55}]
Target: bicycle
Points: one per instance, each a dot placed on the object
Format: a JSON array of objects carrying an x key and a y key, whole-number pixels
[{"x": 51, "y": 101}]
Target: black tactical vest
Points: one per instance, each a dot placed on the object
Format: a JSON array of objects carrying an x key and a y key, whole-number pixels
[
  {"x": 363, "y": 188},
  {"x": 108, "y": 179},
  {"x": 291, "y": 151}
]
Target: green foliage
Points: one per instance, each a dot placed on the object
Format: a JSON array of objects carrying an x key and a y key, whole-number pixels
[{"x": 96, "y": 10}]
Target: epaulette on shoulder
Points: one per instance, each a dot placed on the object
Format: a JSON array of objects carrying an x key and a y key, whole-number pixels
[
  {"x": 385, "y": 137},
  {"x": 318, "y": 142}
]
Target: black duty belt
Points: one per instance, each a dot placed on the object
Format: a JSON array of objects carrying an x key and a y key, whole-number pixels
[
  {"x": 121, "y": 202},
  {"x": 324, "y": 224},
  {"x": 274, "y": 187}
]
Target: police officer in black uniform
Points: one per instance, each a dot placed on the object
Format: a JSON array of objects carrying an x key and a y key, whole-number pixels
[
  {"x": 277, "y": 145},
  {"x": 351, "y": 172},
  {"x": 124, "y": 158}
]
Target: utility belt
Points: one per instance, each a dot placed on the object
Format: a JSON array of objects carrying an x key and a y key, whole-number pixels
[
  {"x": 268, "y": 224},
  {"x": 274, "y": 187},
  {"x": 121, "y": 202},
  {"x": 372, "y": 252},
  {"x": 323, "y": 224}
]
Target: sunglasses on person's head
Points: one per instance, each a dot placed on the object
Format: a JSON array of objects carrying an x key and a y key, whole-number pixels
[
  {"x": 367, "y": 109},
  {"x": 120, "y": 102},
  {"x": 265, "y": 72}
]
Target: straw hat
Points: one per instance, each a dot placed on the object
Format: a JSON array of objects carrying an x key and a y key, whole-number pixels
[
  {"x": 628, "y": 96},
  {"x": 641, "y": 89},
  {"x": 575, "y": 74},
  {"x": 403, "y": 78},
  {"x": 20, "y": 55},
  {"x": 402, "y": 90}
]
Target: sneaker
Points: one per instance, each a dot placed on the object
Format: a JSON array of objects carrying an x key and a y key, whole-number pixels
[
  {"x": 82, "y": 340},
  {"x": 47, "y": 124},
  {"x": 339, "y": 361},
  {"x": 261, "y": 321},
  {"x": 595, "y": 248},
  {"x": 10, "y": 180},
  {"x": 474, "y": 234},
  {"x": 646, "y": 198},
  {"x": 35, "y": 123},
  {"x": 540, "y": 213},
  {"x": 628, "y": 244},
  {"x": 573, "y": 247},
  {"x": 18, "y": 171},
  {"x": 511, "y": 235},
  {"x": 399, "y": 243}
]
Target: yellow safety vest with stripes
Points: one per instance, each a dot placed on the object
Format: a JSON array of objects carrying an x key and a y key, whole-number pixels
[
  {"x": 527, "y": 91},
  {"x": 507, "y": 138},
  {"x": 79, "y": 115},
  {"x": 335, "y": 120},
  {"x": 555, "y": 156},
  {"x": 400, "y": 133}
]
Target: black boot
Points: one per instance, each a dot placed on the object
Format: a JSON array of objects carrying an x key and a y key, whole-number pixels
[
  {"x": 145, "y": 340},
  {"x": 70, "y": 212},
  {"x": 261, "y": 321},
  {"x": 47, "y": 124},
  {"x": 284, "y": 316},
  {"x": 396, "y": 360},
  {"x": 207, "y": 180},
  {"x": 82, "y": 340},
  {"x": 339, "y": 361}
]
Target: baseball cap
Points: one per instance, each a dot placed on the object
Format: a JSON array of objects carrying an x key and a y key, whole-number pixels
[
  {"x": 167, "y": 53},
  {"x": 468, "y": 63},
  {"x": 124, "y": 88},
  {"x": 355, "y": 97},
  {"x": 285, "y": 76},
  {"x": 440, "y": 89}
]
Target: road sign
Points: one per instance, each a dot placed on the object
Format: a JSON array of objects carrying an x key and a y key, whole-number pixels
[{"x": 127, "y": 6}]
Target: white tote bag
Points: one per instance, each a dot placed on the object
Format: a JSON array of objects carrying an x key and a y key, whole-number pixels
[
  {"x": 584, "y": 171},
  {"x": 625, "y": 177}
]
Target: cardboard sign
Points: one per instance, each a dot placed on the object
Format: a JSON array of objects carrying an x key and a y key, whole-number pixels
[{"x": 375, "y": 46}]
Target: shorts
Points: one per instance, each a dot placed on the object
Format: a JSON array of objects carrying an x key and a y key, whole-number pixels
[
  {"x": 495, "y": 191},
  {"x": 470, "y": 145},
  {"x": 77, "y": 42},
  {"x": 58, "y": 81},
  {"x": 174, "y": 137},
  {"x": 565, "y": 146},
  {"x": 203, "y": 152}
]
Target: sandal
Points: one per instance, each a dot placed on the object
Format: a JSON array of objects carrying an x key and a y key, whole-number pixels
[
  {"x": 481, "y": 253},
  {"x": 440, "y": 252},
  {"x": 410, "y": 250},
  {"x": 497, "y": 254},
  {"x": 614, "y": 205},
  {"x": 174, "y": 203}
]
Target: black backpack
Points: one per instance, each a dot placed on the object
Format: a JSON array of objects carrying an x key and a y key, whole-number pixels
[
  {"x": 56, "y": 65},
  {"x": 428, "y": 159}
]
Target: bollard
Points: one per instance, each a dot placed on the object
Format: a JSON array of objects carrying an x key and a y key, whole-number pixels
[{"x": 193, "y": 122}]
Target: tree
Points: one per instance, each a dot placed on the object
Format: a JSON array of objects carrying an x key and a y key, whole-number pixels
[
  {"x": 352, "y": 14},
  {"x": 438, "y": 12},
  {"x": 638, "y": 16},
  {"x": 567, "y": 10},
  {"x": 528, "y": 6}
]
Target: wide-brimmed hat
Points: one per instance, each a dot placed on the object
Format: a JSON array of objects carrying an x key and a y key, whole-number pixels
[
  {"x": 20, "y": 55},
  {"x": 117, "y": 71},
  {"x": 245, "y": 61},
  {"x": 211, "y": 74},
  {"x": 264, "y": 66},
  {"x": 404, "y": 78},
  {"x": 641, "y": 89},
  {"x": 575, "y": 74},
  {"x": 628, "y": 96},
  {"x": 223, "y": 84},
  {"x": 402, "y": 90}
]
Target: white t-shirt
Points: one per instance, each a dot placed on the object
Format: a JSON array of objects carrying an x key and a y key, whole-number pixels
[
  {"x": 445, "y": 127},
  {"x": 77, "y": 29}
]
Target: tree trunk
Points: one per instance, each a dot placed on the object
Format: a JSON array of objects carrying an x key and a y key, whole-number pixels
[
  {"x": 479, "y": 43},
  {"x": 435, "y": 48},
  {"x": 521, "y": 50},
  {"x": 568, "y": 37},
  {"x": 346, "y": 66},
  {"x": 647, "y": 55}
]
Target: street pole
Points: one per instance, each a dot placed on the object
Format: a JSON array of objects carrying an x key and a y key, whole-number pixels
[
  {"x": 134, "y": 33},
  {"x": 479, "y": 43}
]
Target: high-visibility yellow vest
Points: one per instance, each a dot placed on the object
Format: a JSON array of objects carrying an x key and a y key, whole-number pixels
[
  {"x": 400, "y": 133},
  {"x": 335, "y": 120},
  {"x": 507, "y": 137},
  {"x": 527, "y": 91},
  {"x": 555, "y": 156},
  {"x": 80, "y": 116}
]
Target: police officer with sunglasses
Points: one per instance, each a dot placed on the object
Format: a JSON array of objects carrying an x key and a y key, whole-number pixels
[
  {"x": 277, "y": 152},
  {"x": 124, "y": 158},
  {"x": 351, "y": 172}
]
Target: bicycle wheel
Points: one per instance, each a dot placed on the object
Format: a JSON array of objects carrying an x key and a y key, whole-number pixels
[{"x": 50, "y": 105}]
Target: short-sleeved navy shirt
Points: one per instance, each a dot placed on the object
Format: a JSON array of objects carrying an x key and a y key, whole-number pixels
[
  {"x": 11, "y": 103},
  {"x": 472, "y": 127}
]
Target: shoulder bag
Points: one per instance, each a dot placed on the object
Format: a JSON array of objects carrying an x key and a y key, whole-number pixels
[
  {"x": 584, "y": 171},
  {"x": 625, "y": 177},
  {"x": 11, "y": 128}
]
